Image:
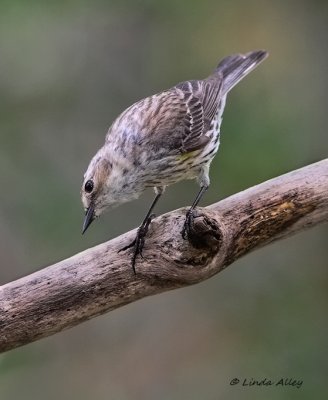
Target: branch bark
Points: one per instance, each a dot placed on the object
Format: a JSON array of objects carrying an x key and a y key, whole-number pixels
[{"x": 100, "y": 279}]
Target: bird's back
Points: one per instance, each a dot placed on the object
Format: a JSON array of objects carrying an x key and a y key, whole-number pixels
[{"x": 179, "y": 128}]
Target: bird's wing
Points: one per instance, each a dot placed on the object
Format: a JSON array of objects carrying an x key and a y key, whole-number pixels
[
  {"x": 201, "y": 99},
  {"x": 178, "y": 119}
]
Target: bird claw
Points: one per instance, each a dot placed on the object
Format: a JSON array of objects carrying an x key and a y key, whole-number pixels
[
  {"x": 139, "y": 241},
  {"x": 188, "y": 224},
  {"x": 128, "y": 246}
]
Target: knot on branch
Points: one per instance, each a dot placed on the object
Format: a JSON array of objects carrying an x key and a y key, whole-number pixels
[
  {"x": 191, "y": 258},
  {"x": 205, "y": 232}
]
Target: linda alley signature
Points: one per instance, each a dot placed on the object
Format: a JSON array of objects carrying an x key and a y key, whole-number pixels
[{"x": 281, "y": 382}]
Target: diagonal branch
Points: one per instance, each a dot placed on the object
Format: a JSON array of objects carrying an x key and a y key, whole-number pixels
[{"x": 99, "y": 279}]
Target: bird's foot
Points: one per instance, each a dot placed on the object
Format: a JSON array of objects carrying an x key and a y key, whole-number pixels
[
  {"x": 139, "y": 241},
  {"x": 188, "y": 224}
]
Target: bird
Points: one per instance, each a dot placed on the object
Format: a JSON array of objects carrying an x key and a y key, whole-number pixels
[{"x": 160, "y": 140}]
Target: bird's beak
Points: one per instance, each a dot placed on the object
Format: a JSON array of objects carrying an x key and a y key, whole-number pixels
[{"x": 89, "y": 217}]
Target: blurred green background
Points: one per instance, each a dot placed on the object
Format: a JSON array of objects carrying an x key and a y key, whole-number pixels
[{"x": 67, "y": 68}]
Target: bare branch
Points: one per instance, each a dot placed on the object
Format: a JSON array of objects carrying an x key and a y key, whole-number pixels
[{"x": 100, "y": 279}]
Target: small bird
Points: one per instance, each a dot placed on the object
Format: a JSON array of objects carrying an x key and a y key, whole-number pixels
[{"x": 160, "y": 140}]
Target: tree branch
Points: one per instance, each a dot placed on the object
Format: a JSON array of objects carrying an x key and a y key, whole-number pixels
[{"x": 100, "y": 279}]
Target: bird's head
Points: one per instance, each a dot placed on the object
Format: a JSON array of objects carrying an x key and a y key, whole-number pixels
[{"x": 95, "y": 191}]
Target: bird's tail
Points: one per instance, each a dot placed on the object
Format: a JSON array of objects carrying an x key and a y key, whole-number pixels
[{"x": 235, "y": 67}]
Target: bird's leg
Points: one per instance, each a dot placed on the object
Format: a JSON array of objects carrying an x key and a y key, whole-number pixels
[
  {"x": 139, "y": 241},
  {"x": 190, "y": 213}
]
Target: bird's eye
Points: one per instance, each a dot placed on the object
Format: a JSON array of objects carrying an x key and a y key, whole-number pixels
[{"x": 88, "y": 187}]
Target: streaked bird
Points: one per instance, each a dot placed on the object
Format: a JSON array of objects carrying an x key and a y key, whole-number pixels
[{"x": 160, "y": 140}]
